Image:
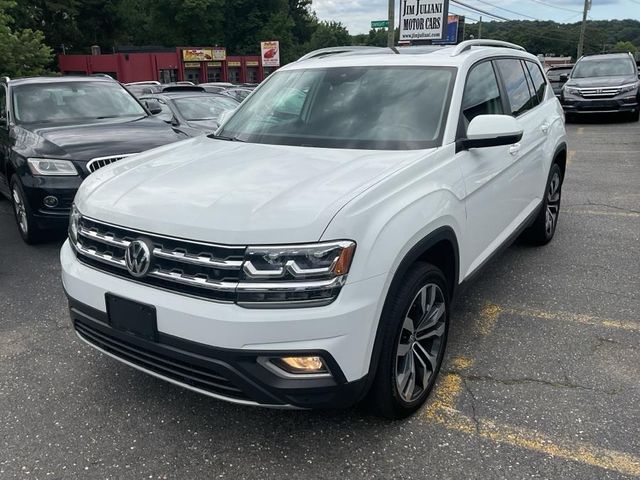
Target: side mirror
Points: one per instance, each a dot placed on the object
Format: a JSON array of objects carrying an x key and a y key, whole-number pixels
[
  {"x": 153, "y": 106},
  {"x": 564, "y": 77},
  {"x": 490, "y": 131}
]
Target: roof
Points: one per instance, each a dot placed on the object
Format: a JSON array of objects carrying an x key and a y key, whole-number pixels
[
  {"x": 432, "y": 55},
  {"x": 69, "y": 78},
  {"x": 606, "y": 55},
  {"x": 171, "y": 95}
]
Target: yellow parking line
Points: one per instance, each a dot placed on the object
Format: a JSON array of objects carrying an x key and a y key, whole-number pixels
[
  {"x": 487, "y": 319},
  {"x": 570, "y": 156},
  {"x": 441, "y": 409},
  {"x": 605, "y": 214},
  {"x": 580, "y": 130}
]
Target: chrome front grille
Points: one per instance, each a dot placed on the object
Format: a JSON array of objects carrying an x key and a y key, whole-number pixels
[
  {"x": 199, "y": 269},
  {"x": 603, "y": 92},
  {"x": 97, "y": 163}
]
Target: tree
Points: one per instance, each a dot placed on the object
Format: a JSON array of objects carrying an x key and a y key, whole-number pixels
[
  {"x": 623, "y": 47},
  {"x": 328, "y": 34},
  {"x": 22, "y": 51}
]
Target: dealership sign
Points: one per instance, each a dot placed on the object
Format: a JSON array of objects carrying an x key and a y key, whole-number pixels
[
  {"x": 423, "y": 19},
  {"x": 270, "y": 53}
]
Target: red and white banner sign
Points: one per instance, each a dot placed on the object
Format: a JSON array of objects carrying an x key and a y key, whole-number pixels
[{"x": 270, "y": 53}]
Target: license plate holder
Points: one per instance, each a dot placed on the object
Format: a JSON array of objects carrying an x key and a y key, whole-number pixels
[{"x": 132, "y": 317}]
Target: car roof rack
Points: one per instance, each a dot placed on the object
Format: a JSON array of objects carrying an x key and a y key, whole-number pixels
[
  {"x": 6, "y": 79},
  {"x": 467, "y": 44},
  {"x": 324, "y": 52}
]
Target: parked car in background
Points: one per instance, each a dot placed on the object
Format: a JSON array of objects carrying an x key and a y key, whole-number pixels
[
  {"x": 307, "y": 253},
  {"x": 603, "y": 84},
  {"x": 54, "y": 132},
  {"x": 192, "y": 113},
  {"x": 558, "y": 75},
  {"x": 238, "y": 94},
  {"x": 141, "y": 88}
]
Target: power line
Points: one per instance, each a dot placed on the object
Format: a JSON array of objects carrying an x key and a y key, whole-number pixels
[
  {"x": 507, "y": 10},
  {"x": 555, "y": 6},
  {"x": 478, "y": 10}
]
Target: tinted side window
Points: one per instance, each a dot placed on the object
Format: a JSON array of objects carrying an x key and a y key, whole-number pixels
[
  {"x": 481, "y": 93},
  {"x": 516, "y": 85},
  {"x": 539, "y": 83}
]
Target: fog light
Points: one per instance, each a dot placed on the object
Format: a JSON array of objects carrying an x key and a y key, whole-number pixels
[
  {"x": 50, "y": 201},
  {"x": 301, "y": 365}
]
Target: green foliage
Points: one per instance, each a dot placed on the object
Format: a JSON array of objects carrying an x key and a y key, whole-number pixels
[
  {"x": 329, "y": 34},
  {"x": 561, "y": 39},
  {"x": 22, "y": 50},
  {"x": 621, "y": 47}
]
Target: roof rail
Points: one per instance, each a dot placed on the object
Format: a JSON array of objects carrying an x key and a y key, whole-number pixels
[
  {"x": 467, "y": 44},
  {"x": 6, "y": 79},
  {"x": 323, "y": 52}
]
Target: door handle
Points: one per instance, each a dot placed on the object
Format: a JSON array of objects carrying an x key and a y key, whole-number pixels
[
  {"x": 544, "y": 127},
  {"x": 514, "y": 149}
]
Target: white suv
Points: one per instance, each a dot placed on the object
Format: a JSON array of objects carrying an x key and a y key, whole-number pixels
[{"x": 307, "y": 253}]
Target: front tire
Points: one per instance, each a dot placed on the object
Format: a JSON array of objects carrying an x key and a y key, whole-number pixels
[
  {"x": 26, "y": 223},
  {"x": 544, "y": 226},
  {"x": 415, "y": 324}
]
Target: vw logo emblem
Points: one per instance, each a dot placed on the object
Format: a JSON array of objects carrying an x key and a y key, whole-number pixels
[{"x": 137, "y": 257}]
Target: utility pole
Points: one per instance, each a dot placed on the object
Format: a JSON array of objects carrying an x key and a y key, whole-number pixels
[
  {"x": 587, "y": 7},
  {"x": 480, "y": 28},
  {"x": 391, "y": 29}
]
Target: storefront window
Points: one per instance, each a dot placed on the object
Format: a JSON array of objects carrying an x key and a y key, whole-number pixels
[
  {"x": 234, "y": 74},
  {"x": 252, "y": 74},
  {"x": 214, "y": 74},
  {"x": 168, "y": 75},
  {"x": 192, "y": 75}
]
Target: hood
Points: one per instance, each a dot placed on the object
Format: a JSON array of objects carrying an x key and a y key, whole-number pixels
[
  {"x": 235, "y": 193},
  {"x": 601, "y": 81},
  {"x": 208, "y": 126},
  {"x": 84, "y": 142}
]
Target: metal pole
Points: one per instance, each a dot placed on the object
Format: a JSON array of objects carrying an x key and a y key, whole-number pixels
[
  {"x": 587, "y": 5},
  {"x": 391, "y": 29},
  {"x": 480, "y": 28}
]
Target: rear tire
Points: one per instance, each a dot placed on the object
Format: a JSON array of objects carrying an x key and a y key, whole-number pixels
[
  {"x": 544, "y": 226},
  {"x": 414, "y": 324},
  {"x": 25, "y": 221}
]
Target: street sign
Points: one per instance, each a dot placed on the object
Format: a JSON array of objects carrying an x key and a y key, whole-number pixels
[{"x": 379, "y": 23}]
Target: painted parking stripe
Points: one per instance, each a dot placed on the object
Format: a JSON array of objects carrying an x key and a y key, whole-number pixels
[{"x": 442, "y": 410}]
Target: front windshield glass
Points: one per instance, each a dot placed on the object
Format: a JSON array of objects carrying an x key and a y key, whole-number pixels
[
  {"x": 604, "y": 67},
  {"x": 380, "y": 108},
  {"x": 61, "y": 102},
  {"x": 203, "y": 107}
]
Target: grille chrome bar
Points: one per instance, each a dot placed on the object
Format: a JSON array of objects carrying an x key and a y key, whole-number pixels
[
  {"x": 104, "y": 257},
  {"x": 106, "y": 238},
  {"x": 99, "y": 162},
  {"x": 196, "y": 259},
  {"x": 193, "y": 281}
]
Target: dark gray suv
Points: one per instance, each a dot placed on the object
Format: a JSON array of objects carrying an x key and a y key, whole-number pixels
[{"x": 603, "y": 84}]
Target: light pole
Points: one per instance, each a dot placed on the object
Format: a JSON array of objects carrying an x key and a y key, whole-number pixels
[
  {"x": 391, "y": 31},
  {"x": 587, "y": 6}
]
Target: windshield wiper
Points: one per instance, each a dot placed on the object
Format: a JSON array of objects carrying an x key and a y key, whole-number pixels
[{"x": 228, "y": 139}]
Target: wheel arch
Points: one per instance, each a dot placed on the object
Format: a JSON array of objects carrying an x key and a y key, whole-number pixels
[
  {"x": 560, "y": 157},
  {"x": 440, "y": 248}
]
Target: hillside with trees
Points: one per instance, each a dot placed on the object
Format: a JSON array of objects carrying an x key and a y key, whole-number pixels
[{"x": 31, "y": 31}]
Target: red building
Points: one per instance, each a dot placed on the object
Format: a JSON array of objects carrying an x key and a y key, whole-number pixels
[{"x": 196, "y": 64}]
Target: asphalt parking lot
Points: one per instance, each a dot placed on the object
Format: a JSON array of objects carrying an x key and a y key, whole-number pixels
[{"x": 541, "y": 379}]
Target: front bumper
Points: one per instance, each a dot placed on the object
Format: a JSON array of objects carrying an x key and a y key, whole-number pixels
[
  {"x": 63, "y": 188},
  {"x": 213, "y": 347},
  {"x": 612, "y": 105}
]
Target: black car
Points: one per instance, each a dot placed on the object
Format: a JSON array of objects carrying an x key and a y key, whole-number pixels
[
  {"x": 558, "y": 75},
  {"x": 603, "y": 84},
  {"x": 54, "y": 132},
  {"x": 191, "y": 112}
]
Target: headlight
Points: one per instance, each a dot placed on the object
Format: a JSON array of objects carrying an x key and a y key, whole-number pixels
[
  {"x": 74, "y": 224},
  {"x": 294, "y": 275},
  {"x": 572, "y": 90},
  {"x": 49, "y": 166},
  {"x": 630, "y": 87}
]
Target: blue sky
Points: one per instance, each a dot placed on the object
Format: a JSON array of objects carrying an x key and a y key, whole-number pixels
[{"x": 357, "y": 14}]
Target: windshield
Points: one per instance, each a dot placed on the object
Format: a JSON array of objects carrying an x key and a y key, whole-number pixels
[
  {"x": 203, "y": 107},
  {"x": 380, "y": 108},
  {"x": 71, "y": 101},
  {"x": 604, "y": 67}
]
